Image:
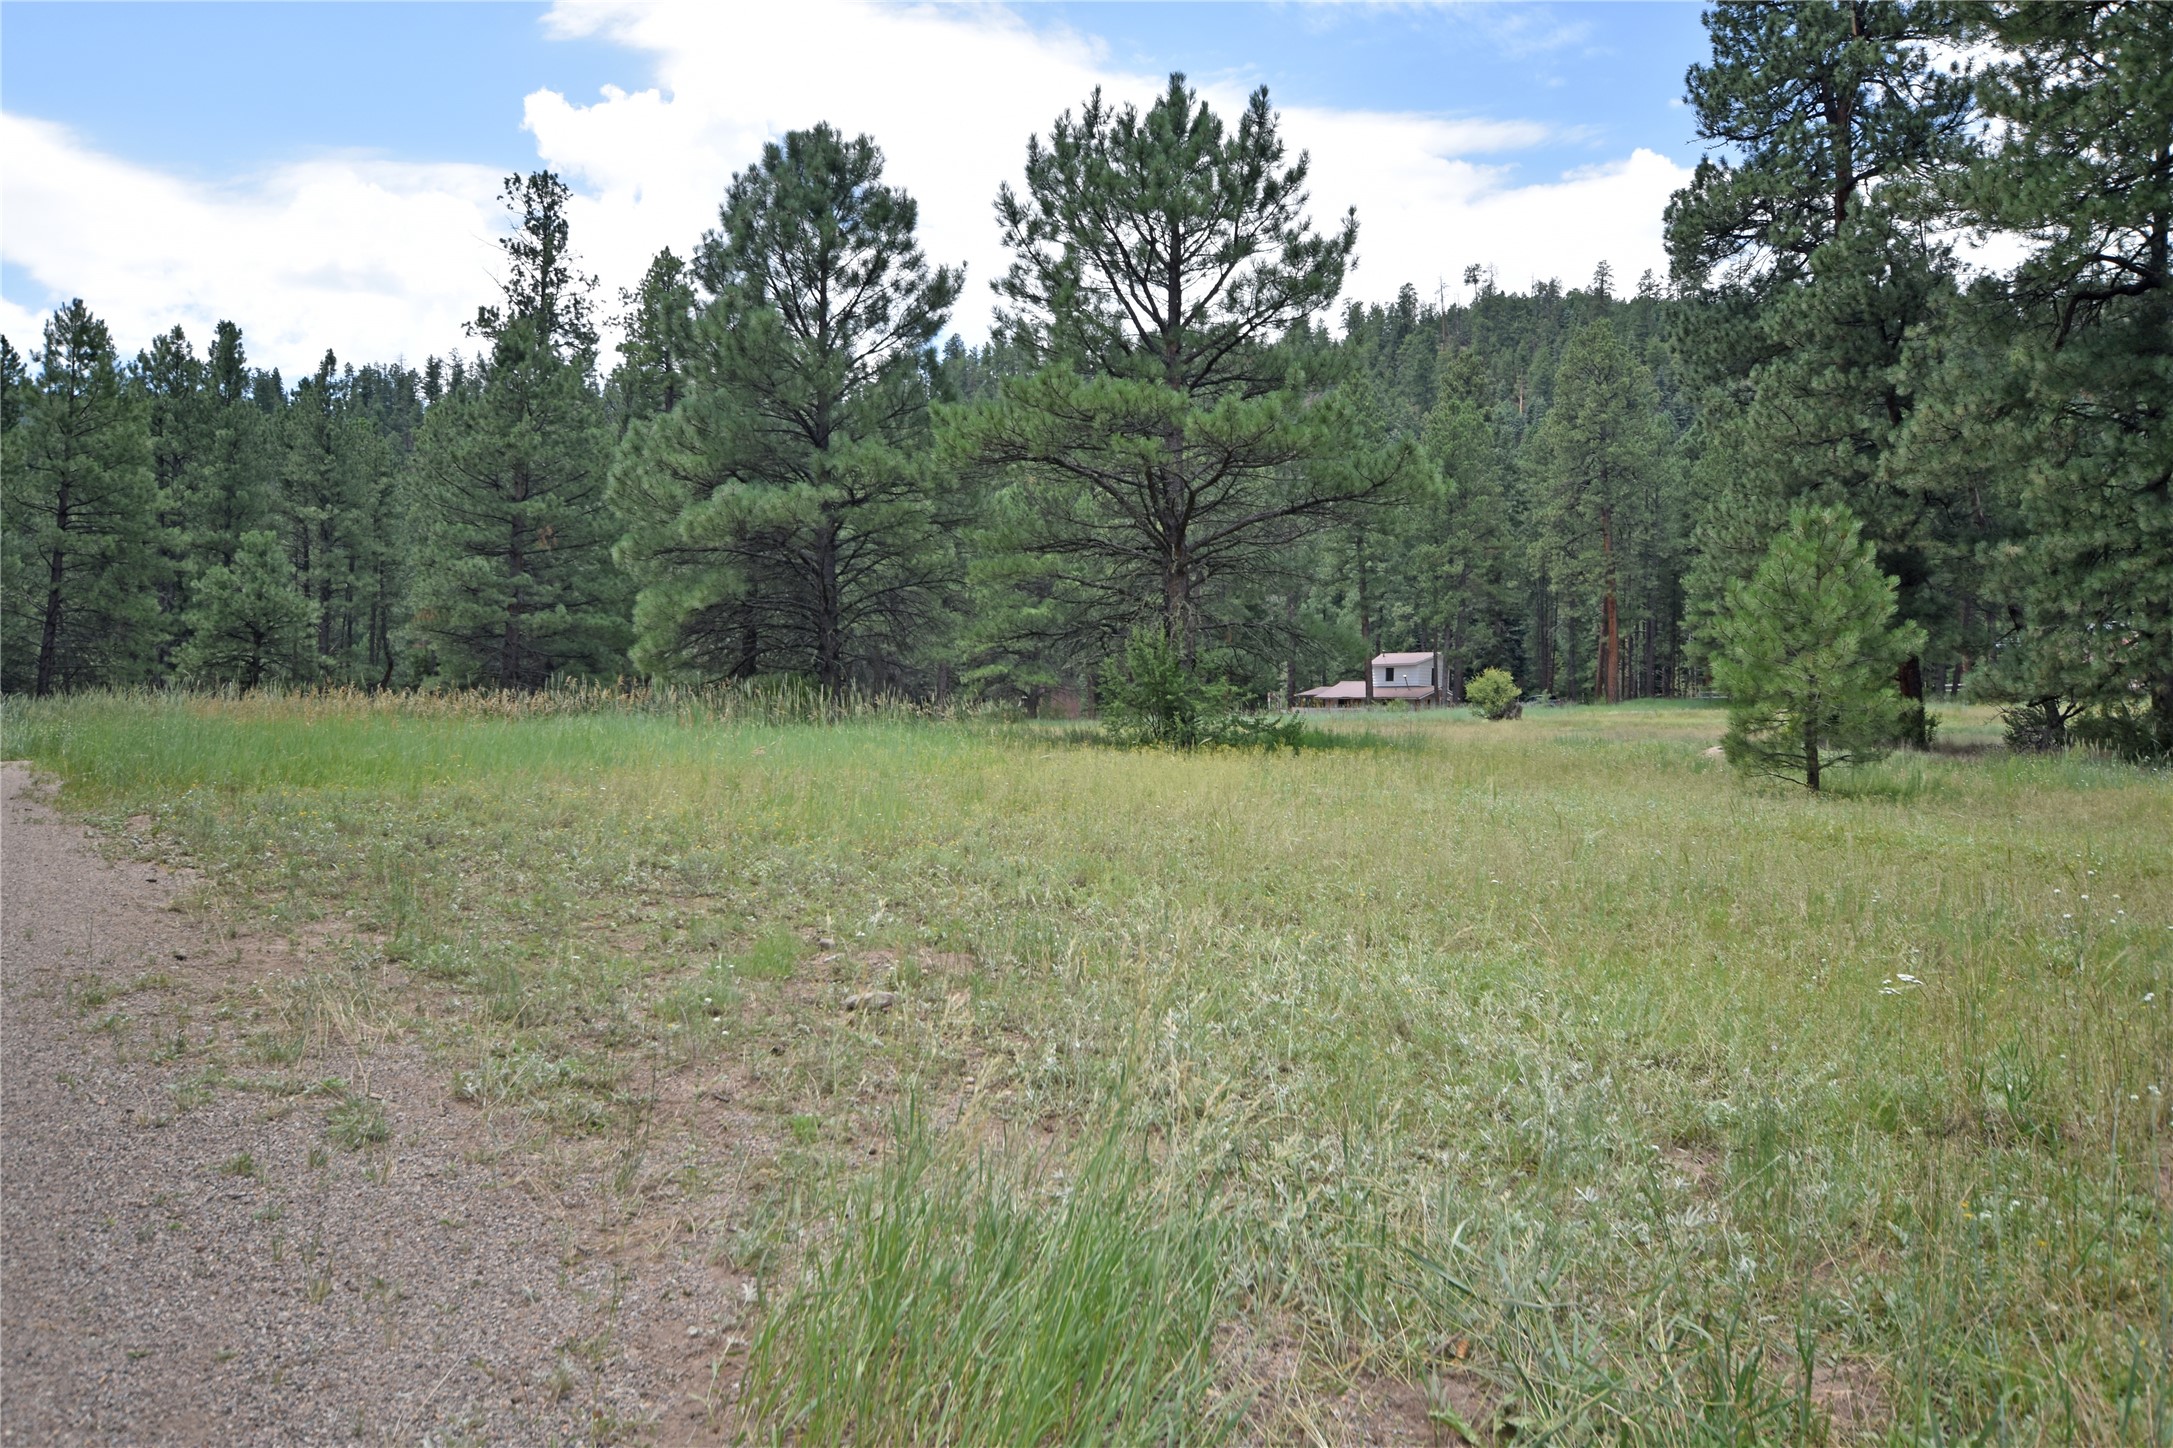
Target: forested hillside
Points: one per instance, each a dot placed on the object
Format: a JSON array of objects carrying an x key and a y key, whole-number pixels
[{"x": 791, "y": 465}]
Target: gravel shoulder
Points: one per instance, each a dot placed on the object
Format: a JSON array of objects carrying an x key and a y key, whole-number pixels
[{"x": 187, "y": 1258}]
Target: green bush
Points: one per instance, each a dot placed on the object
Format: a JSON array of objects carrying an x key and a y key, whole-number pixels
[
  {"x": 1494, "y": 694},
  {"x": 1149, "y": 697}
]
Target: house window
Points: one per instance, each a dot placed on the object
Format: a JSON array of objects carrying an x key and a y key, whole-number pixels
[{"x": 1388, "y": 675}]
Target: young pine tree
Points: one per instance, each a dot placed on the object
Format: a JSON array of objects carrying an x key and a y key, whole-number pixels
[
  {"x": 248, "y": 623},
  {"x": 79, "y": 564},
  {"x": 1806, "y": 650}
]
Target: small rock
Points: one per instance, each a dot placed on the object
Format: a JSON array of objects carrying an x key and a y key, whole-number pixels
[
  {"x": 824, "y": 942},
  {"x": 181, "y": 955},
  {"x": 871, "y": 1000},
  {"x": 1716, "y": 752}
]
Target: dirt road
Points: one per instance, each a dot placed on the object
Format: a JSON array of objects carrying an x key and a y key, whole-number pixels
[{"x": 186, "y": 1257}]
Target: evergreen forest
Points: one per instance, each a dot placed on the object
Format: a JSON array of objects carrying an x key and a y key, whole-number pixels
[{"x": 1921, "y": 276}]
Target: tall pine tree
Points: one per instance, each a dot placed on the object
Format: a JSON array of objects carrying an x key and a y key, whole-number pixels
[
  {"x": 2054, "y": 404},
  {"x": 514, "y": 584},
  {"x": 1171, "y": 450},
  {"x": 1813, "y": 262},
  {"x": 79, "y": 591},
  {"x": 787, "y": 516}
]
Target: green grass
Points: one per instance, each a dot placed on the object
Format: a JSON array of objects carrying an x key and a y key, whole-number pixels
[
  {"x": 969, "y": 1301},
  {"x": 1544, "y": 1058}
]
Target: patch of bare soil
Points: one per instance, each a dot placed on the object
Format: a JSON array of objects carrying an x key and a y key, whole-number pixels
[
  {"x": 184, "y": 1259},
  {"x": 1853, "y": 1401}
]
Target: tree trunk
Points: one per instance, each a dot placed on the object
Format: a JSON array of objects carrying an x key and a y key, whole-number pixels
[
  {"x": 829, "y": 641},
  {"x": 1610, "y": 625},
  {"x": 509, "y": 647},
  {"x": 1810, "y": 758},
  {"x": 1290, "y": 665},
  {"x": 1909, "y": 678},
  {"x": 49, "y": 636}
]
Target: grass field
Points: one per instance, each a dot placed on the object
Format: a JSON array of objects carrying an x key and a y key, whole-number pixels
[{"x": 1538, "y": 1081}]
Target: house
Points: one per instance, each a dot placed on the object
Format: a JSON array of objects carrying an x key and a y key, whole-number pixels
[{"x": 1415, "y": 677}]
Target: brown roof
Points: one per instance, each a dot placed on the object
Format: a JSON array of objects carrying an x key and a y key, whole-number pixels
[
  {"x": 1394, "y": 660},
  {"x": 1356, "y": 689}
]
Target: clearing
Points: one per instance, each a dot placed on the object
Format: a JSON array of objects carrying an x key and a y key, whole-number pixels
[{"x": 1537, "y": 1080}]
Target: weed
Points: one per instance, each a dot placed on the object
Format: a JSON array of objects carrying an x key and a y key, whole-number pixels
[
  {"x": 773, "y": 956},
  {"x": 966, "y": 1301},
  {"x": 357, "y": 1122}
]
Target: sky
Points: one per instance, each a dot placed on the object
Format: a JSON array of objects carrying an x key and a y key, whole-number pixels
[{"x": 326, "y": 174}]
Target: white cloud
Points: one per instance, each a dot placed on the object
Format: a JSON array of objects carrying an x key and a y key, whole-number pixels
[
  {"x": 379, "y": 259},
  {"x": 951, "y": 94},
  {"x": 373, "y": 259}
]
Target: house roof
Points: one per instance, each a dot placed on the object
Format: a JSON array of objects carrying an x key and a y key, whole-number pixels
[
  {"x": 1356, "y": 689},
  {"x": 1397, "y": 660}
]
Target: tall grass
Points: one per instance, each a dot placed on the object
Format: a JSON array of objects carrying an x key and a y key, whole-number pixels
[
  {"x": 1544, "y": 1054},
  {"x": 974, "y": 1299}
]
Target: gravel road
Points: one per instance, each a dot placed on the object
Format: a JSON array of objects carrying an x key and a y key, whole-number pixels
[{"x": 157, "y": 1288}]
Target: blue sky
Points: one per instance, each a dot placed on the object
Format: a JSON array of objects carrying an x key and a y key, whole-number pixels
[{"x": 294, "y": 165}]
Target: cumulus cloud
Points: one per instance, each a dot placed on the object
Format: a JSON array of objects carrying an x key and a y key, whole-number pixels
[
  {"x": 374, "y": 259},
  {"x": 952, "y": 92},
  {"x": 379, "y": 259}
]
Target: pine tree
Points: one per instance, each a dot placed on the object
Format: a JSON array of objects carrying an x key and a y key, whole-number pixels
[
  {"x": 514, "y": 584},
  {"x": 1171, "y": 449},
  {"x": 1599, "y": 462},
  {"x": 79, "y": 595},
  {"x": 1809, "y": 247},
  {"x": 541, "y": 283},
  {"x": 1462, "y": 556},
  {"x": 232, "y": 488},
  {"x": 786, "y": 516},
  {"x": 658, "y": 352},
  {"x": 512, "y": 579},
  {"x": 249, "y": 623},
  {"x": 1805, "y": 651},
  {"x": 14, "y": 385},
  {"x": 170, "y": 380},
  {"x": 2055, "y": 403},
  {"x": 334, "y": 495}
]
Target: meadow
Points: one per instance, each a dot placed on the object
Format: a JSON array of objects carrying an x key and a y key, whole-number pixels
[{"x": 1536, "y": 1081}]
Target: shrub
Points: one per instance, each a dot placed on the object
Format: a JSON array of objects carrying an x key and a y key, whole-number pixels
[
  {"x": 1494, "y": 694},
  {"x": 1150, "y": 697}
]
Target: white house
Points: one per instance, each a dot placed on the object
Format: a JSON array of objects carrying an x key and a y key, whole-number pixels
[{"x": 1416, "y": 677}]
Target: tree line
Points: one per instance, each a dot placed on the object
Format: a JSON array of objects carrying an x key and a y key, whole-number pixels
[{"x": 792, "y": 467}]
